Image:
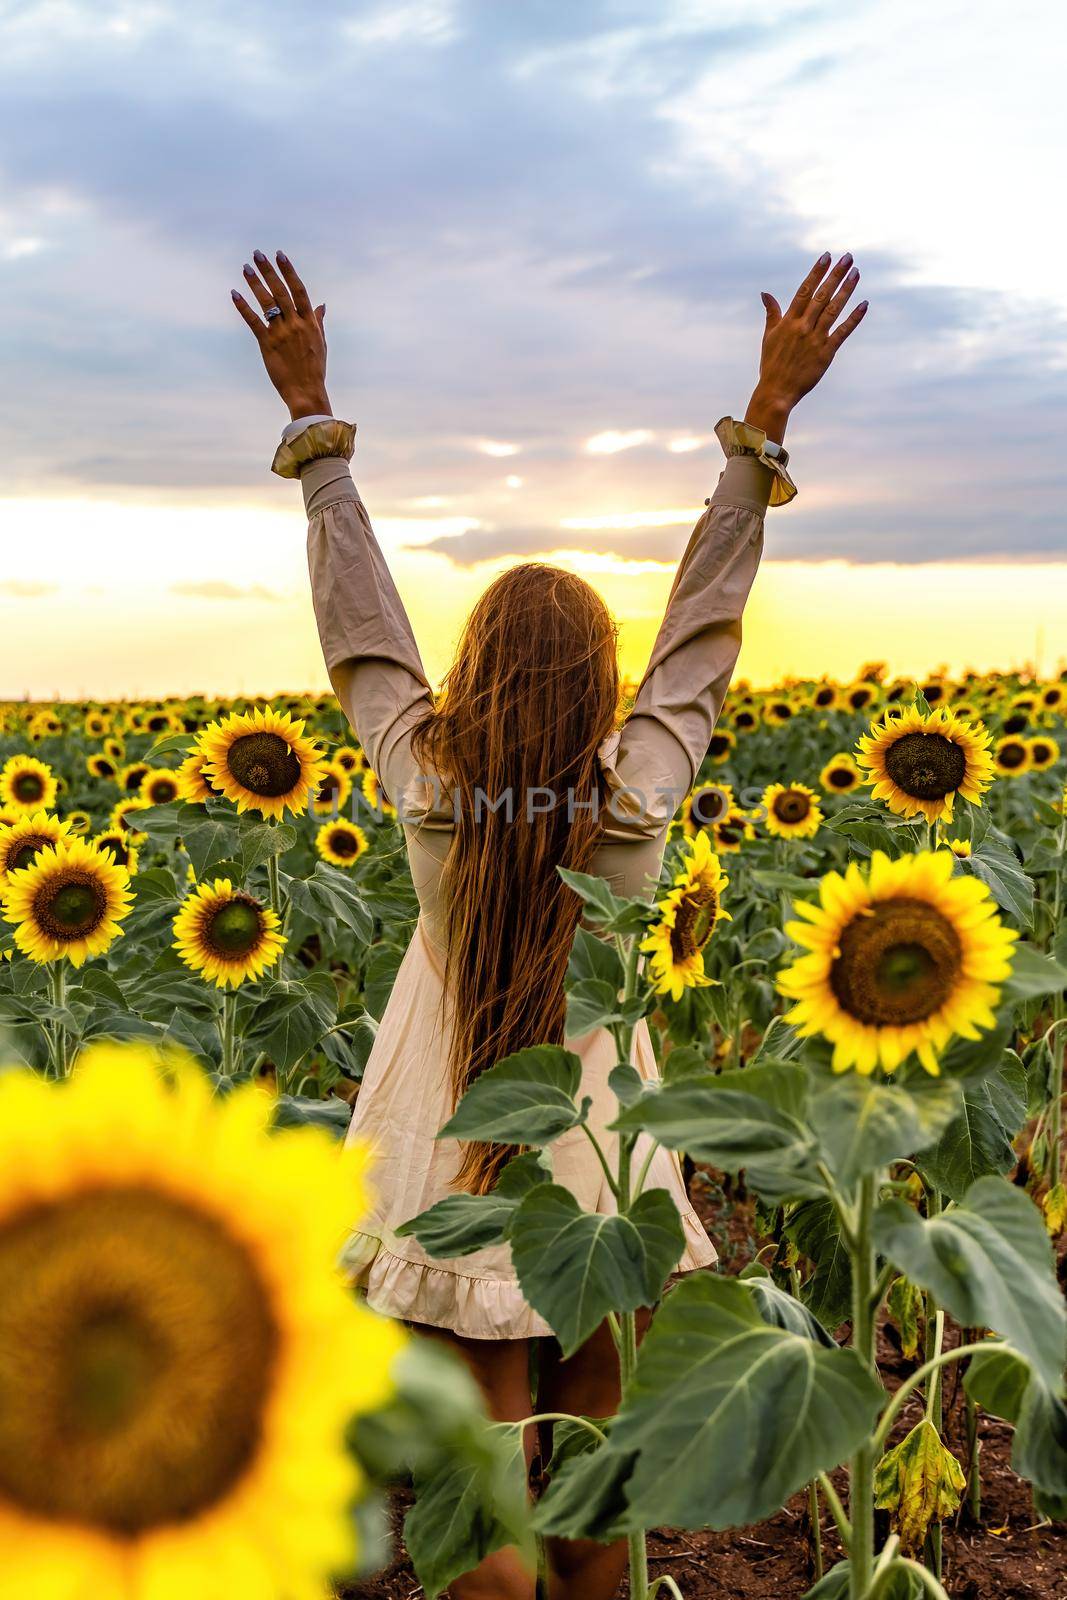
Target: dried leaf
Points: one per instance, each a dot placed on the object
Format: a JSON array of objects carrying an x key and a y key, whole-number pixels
[
  {"x": 1054, "y": 1207},
  {"x": 918, "y": 1482},
  {"x": 904, "y": 1305}
]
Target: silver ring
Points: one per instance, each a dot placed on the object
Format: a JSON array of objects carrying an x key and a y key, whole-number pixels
[{"x": 272, "y": 312}]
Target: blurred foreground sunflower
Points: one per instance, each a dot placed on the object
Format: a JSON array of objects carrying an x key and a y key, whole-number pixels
[
  {"x": 226, "y": 934},
  {"x": 168, "y": 1309},
  {"x": 900, "y": 959},
  {"x": 687, "y": 917},
  {"x": 918, "y": 762},
  {"x": 68, "y": 902},
  {"x": 261, "y": 761}
]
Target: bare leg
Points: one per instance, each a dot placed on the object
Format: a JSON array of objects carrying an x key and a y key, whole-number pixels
[
  {"x": 501, "y": 1368},
  {"x": 586, "y": 1385}
]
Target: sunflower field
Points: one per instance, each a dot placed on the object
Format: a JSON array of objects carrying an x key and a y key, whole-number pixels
[{"x": 855, "y": 971}]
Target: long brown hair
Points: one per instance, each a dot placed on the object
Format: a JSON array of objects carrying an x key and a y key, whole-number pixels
[{"x": 532, "y": 693}]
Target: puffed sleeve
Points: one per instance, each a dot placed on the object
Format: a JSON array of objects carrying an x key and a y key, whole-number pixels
[
  {"x": 367, "y": 641},
  {"x": 656, "y": 758}
]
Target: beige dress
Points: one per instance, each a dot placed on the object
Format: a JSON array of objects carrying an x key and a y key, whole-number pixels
[{"x": 648, "y": 767}]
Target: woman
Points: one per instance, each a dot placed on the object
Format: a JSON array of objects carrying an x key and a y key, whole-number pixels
[{"x": 519, "y": 770}]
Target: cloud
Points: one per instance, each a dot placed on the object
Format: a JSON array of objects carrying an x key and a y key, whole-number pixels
[
  {"x": 27, "y": 588},
  {"x": 519, "y": 236},
  {"x": 216, "y": 589}
]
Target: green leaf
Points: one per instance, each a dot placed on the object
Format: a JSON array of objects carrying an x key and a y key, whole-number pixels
[
  {"x": 685, "y": 1061},
  {"x": 465, "y": 1509},
  {"x": 591, "y": 1003},
  {"x": 261, "y": 840},
  {"x": 170, "y": 744},
  {"x": 462, "y": 1223},
  {"x": 1005, "y": 1386},
  {"x": 978, "y": 1141},
  {"x": 863, "y": 1125},
  {"x": 586, "y": 1498},
  {"x": 292, "y": 1016},
  {"x": 380, "y": 976},
  {"x": 904, "y": 1307},
  {"x": 528, "y": 1098},
  {"x": 1033, "y": 975},
  {"x": 297, "y": 1111},
  {"x": 728, "y": 1416},
  {"x": 602, "y": 906},
  {"x": 781, "y": 1310},
  {"x": 575, "y": 1266},
  {"x": 732, "y": 1119},
  {"x": 997, "y": 867},
  {"x": 594, "y": 958},
  {"x": 208, "y": 843},
  {"x": 988, "y": 1261},
  {"x": 168, "y": 821},
  {"x": 329, "y": 895},
  {"x": 814, "y": 1228}
]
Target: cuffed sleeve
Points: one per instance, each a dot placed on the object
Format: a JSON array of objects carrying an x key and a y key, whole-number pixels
[
  {"x": 367, "y": 641},
  {"x": 668, "y": 731}
]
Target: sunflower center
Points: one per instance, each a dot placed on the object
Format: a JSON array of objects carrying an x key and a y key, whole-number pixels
[
  {"x": 896, "y": 965},
  {"x": 29, "y": 786},
  {"x": 927, "y": 766},
  {"x": 26, "y": 850},
  {"x": 1012, "y": 755},
  {"x": 136, "y": 1360},
  {"x": 235, "y": 928},
  {"x": 70, "y": 908},
  {"x": 343, "y": 843},
  {"x": 841, "y": 778},
  {"x": 718, "y": 745},
  {"x": 791, "y": 806},
  {"x": 694, "y": 921},
  {"x": 264, "y": 763},
  {"x": 710, "y": 804},
  {"x": 824, "y": 697},
  {"x": 163, "y": 789}
]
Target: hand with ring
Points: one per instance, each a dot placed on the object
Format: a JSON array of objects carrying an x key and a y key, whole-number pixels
[{"x": 291, "y": 339}]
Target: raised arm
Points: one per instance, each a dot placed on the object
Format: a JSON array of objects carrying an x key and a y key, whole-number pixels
[
  {"x": 367, "y": 641},
  {"x": 681, "y": 695}
]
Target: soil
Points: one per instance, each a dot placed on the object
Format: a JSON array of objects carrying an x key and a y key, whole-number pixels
[{"x": 1012, "y": 1555}]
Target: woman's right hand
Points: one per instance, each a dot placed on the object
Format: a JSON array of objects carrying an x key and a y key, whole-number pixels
[
  {"x": 799, "y": 345},
  {"x": 292, "y": 339}
]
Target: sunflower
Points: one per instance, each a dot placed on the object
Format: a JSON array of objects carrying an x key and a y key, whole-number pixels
[
  {"x": 68, "y": 902},
  {"x": 745, "y": 720},
  {"x": 160, "y": 786},
  {"x": 860, "y": 696},
  {"x": 705, "y": 806},
  {"x": 824, "y": 696},
  {"x": 841, "y": 774},
  {"x": 732, "y": 831},
  {"x": 934, "y": 691},
  {"x": 120, "y": 818},
  {"x": 1052, "y": 696},
  {"x": 131, "y": 777},
  {"x": 899, "y": 959},
  {"x": 99, "y": 766},
  {"x": 261, "y": 761},
  {"x": 27, "y": 784},
  {"x": 23, "y": 840},
  {"x": 918, "y": 763},
  {"x": 721, "y": 745},
  {"x": 227, "y": 934},
  {"x": 332, "y": 790},
  {"x": 97, "y": 724},
  {"x": 351, "y": 758},
  {"x": 1011, "y": 756},
  {"x": 374, "y": 795},
  {"x": 120, "y": 846},
  {"x": 1017, "y": 723},
  {"x": 79, "y": 821},
  {"x": 688, "y": 914},
  {"x": 792, "y": 811},
  {"x": 45, "y": 725},
  {"x": 114, "y": 748},
  {"x": 169, "y": 1306},
  {"x": 961, "y": 848},
  {"x": 1044, "y": 752},
  {"x": 778, "y": 712},
  {"x": 340, "y": 842},
  {"x": 194, "y": 783}
]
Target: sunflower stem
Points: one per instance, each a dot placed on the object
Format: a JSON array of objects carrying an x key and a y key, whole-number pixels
[
  {"x": 57, "y": 1033},
  {"x": 275, "y": 903},
  {"x": 228, "y": 1031},
  {"x": 861, "y": 1472}
]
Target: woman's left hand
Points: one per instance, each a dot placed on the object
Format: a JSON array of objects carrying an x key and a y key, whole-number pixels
[{"x": 292, "y": 344}]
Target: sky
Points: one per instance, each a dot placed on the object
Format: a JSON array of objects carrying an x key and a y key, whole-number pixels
[{"x": 541, "y": 230}]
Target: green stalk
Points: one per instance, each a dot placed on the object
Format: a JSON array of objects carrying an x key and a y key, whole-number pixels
[
  {"x": 57, "y": 1039},
  {"x": 974, "y": 1452},
  {"x": 861, "y": 1476},
  {"x": 275, "y": 901},
  {"x": 624, "y": 1037},
  {"x": 1056, "y": 1046},
  {"x": 935, "y": 1332},
  {"x": 815, "y": 1524},
  {"x": 229, "y": 1011}
]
